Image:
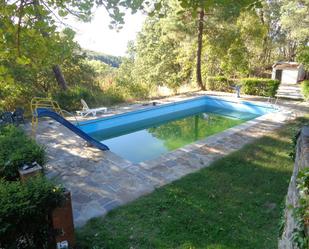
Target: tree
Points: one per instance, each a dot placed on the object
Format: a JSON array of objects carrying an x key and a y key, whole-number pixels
[
  {"x": 162, "y": 53},
  {"x": 295, "y": 25},
  {"x": 37, "y": 21},
  {"x": 26, "y": 21},
  {"x": 303, "y": 56},
  {"x": 228, "y": 9},
  {"x": 198, "y": 8},
  {"x": 253, "y": 29}
]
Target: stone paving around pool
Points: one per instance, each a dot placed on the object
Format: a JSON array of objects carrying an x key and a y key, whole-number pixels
[{"x": 100, "y": 180}]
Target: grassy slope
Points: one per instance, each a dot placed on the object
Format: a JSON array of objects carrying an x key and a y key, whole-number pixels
[{"x": 236, "y": 203}]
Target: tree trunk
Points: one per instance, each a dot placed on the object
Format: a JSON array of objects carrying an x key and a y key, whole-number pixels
[
  {"x": 199, "y": 50},
  {"x": 59, "y": 77},
  {"x": 56, "y": 68},
  {"x": 263, "y": 55}
]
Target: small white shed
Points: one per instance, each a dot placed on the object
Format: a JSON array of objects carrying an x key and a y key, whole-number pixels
[{"x": 288, "y": 72}]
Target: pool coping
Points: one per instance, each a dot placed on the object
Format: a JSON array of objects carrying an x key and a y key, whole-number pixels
[
  {"x": 101, "y": 180},
  {"x": 261, "y": 104},
  {"x": 174, "y": 154}
]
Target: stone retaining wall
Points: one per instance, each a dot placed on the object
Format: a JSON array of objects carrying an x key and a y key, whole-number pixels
[{"x": 301, "y": 161}]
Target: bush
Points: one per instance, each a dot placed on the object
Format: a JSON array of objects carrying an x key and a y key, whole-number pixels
[
  {"x": 251, "y": 86},
  {"x": 301, "y": 211},
  {"x": 133, "y": 91},
  {"x": 219, "y": 83},
  {"x": 305, "y": 89},
  {"x": 25, "y": 211},
  {"x": 260, "y": 87},
  {"x": 94, "y": 96},
  {"x": 16, "y": 149},
  {"x": 70, "y": 99}
]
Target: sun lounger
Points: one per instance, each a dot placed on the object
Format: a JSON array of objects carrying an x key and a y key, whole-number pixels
[{"x": 86, "y": 110}]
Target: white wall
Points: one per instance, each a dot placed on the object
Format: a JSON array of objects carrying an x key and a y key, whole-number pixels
[
  {"x": 289, "y": 76},
  {"x": 273, "y": 74}
]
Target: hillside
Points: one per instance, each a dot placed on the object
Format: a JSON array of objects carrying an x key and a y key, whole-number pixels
[{"x": 111, "y": 60}]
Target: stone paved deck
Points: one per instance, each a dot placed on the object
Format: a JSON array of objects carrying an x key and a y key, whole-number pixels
[{"x": 100, "y": 181}]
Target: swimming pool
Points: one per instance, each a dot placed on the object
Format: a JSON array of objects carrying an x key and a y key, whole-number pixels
[{"x": 146, "y": 134}]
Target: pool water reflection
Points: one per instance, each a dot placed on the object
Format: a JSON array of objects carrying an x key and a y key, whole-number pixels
[{"x": 150, "y": 143}]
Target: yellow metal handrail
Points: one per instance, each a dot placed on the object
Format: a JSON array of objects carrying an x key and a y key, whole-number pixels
[{"x": 38, "y": 102}]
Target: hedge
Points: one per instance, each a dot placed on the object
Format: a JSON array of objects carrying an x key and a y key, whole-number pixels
[
  {"x": 260, "y": 87},
  {"x": 305, "y": 89},
  {"x": 25, "y": 209},
  {"x": 16, "y": 149},
  {"x": 251, "y": 86},
  {"x": 219, "y": 83}
]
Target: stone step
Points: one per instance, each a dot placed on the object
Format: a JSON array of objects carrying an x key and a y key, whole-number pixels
[
  {"x": 291, "y": 91},
  {"x": 290, "y": 96},
  {"x": 289, "y": 87},
  {"x": 288, "y": 92}
]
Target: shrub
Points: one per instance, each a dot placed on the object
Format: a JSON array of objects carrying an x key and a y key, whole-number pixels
[
  {"x": 94, "y": 96},
  {"x": 260, "y": 87},
  {"x": 301, "y": 211},
  {"x": 16, "y": 149},
  {"x": 108, "y": 96},
  {"x": 305, "y": 89},
  {"x": 131, "y": 89},
  {"x": 24, "y": 212},
  {"x": 70, "y": 99},
  {"x": 219, "y": 83}
]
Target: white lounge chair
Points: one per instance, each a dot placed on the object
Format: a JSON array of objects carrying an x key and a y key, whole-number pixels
[{"x": 86, "y": 110}]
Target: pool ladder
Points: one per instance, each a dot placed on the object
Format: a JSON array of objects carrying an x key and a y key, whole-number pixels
[
  {"x": 48, "y": 103},
  {"x": 273, "y": 102}
]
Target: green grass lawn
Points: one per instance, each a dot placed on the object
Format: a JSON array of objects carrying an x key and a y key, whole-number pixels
[{"x": 235, "y": 203}]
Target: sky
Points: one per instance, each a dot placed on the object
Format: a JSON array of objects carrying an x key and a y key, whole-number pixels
[{"x": 97, "y": 36}]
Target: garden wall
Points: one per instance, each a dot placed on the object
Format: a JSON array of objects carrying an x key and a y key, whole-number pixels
[{"x": 292, "y": 199}]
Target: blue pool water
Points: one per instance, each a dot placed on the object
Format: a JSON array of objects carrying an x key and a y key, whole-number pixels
[{"x": 145, "y": 134}]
